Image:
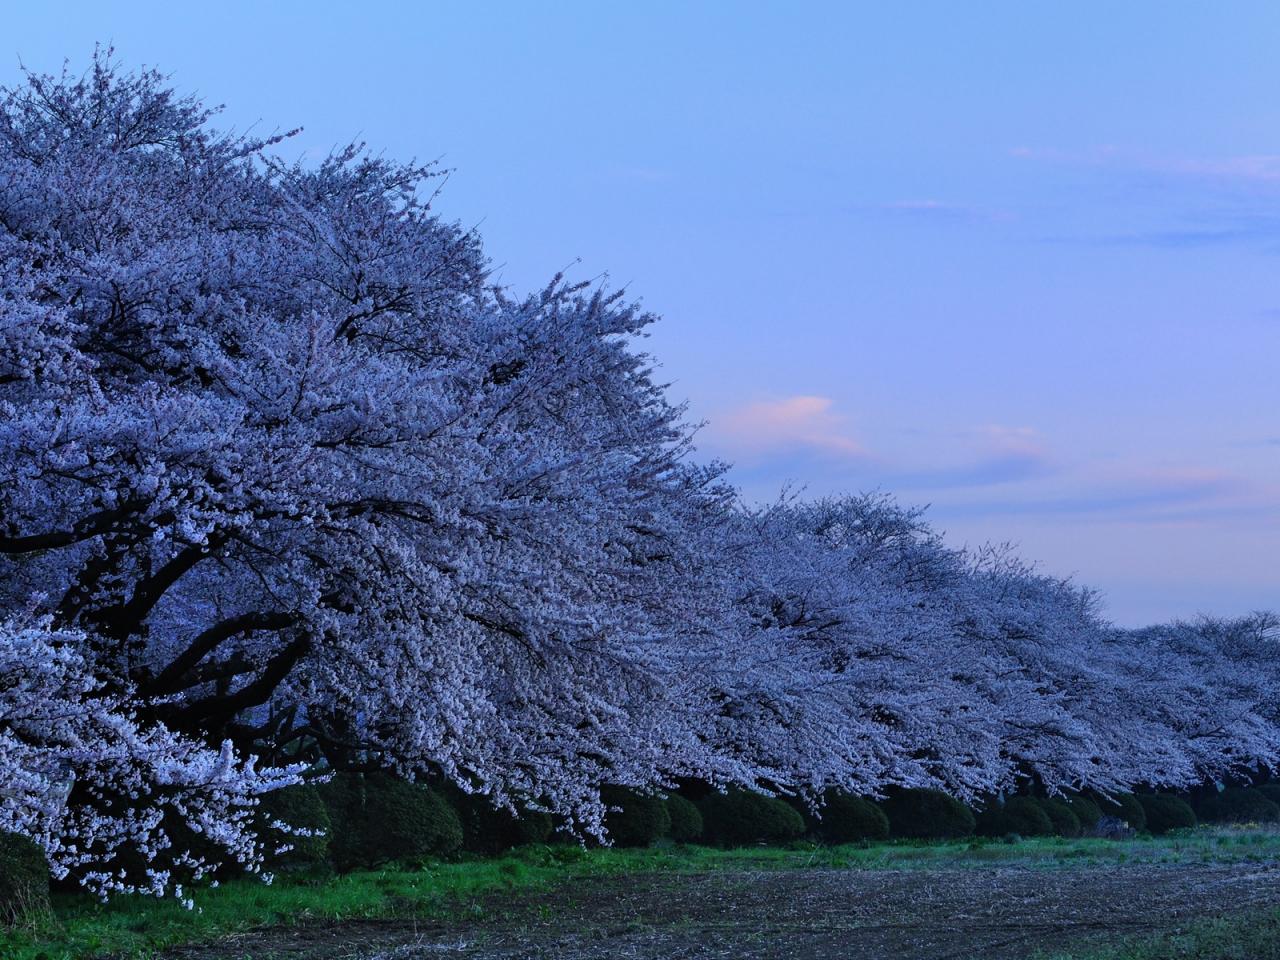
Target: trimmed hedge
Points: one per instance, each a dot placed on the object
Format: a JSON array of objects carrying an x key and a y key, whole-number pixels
[
  {"x": 1086, "y": 811},
  {"x": 406, "y": 821},
  {"x": 850, "y": 819},
  {"x": 1022, "y": 816},
  {"x": 641, "y": 819},
  {"x": 922, "y": 814},
  {"x": 24, "y": 881},
  {"x": 378, "y": 818},
  {"x": 1124, "y": 806},
  {"x": 686, "y": 820},
  {"x": 343, "y": 797},
  {"x": 298, "y": 806},
  {"x": 1239, "y": 805},
  {"x": 1166, "y": 812},
  {"x": 741, "y": 818},
  {"x": 492, "y": 830},
  {"x": 1065, "y": 821},
  {"x": 1270, "y": 790}
]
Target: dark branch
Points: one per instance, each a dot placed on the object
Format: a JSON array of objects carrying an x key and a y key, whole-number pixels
[
  {"x": 83, "y": 529},
  {"x": 125, "y": 619},
  {"x": 170, "y": 679},
  {"x": 208, "y": 712}
]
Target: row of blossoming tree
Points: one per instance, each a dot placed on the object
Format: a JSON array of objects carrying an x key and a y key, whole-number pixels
[{"x": 287, "y": 485}]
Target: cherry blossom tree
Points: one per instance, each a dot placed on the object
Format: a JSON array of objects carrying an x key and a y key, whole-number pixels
[
  {"x": 297, "y": 476},
  {"x": 284, "y": 480},
  {"x": 971, "y": 672}
]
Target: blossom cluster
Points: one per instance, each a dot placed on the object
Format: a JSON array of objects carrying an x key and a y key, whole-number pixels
[{"x": 122, "y": 806}]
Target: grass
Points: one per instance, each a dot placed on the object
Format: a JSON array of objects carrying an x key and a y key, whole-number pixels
[
  {"x": 1254, "y": 936},
  {"x": 139, "y": 927}
]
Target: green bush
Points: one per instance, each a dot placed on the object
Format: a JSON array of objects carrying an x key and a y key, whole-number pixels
[
  {"x": 1239, "y": 805},
  {"x": 1166, "y": 812},
  {"x": 298, "y": 806},
  {"x": 1018, "y": 815},
  {"x": 406, "y": 821},
  {"x": 1270, "y": 790},
  {"x": 927, "y": 815},
  {"x": 24, "y": 881},
  {"x": 850, "y": 819},
  {"x": 1124, "y": 806},
  {"x": 1086, "y": 811},
  {"x": 378, "y": 818},
  {"x": 532, "y": 826},
  {"x": 343, "y": 797},
  {"x": 492, "y": 830},
  {"x": 686, "y": 821},
  {"x": 742, "y": 818},
  {"x": 641, "y": 818},
  {"x": 1064, "y": 819}
]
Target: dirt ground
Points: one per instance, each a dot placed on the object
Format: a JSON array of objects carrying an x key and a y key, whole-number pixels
[{"x": 999, "y": 913}]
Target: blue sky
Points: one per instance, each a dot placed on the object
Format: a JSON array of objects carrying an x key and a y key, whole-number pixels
[{"x": 1013, "y": 260}]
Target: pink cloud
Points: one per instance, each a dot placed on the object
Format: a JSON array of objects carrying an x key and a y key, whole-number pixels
[{"x": 788, "y": 423}]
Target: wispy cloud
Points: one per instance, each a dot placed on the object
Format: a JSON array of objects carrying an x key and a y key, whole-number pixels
[
  {"x": 804, "y": 437},
  {"x": 938, "y": 211},
  {"x": 1020, "y": 441},
  {"x": 993, "y": 454},
  {"x": 929, "y": 208},
  {"x": 1258, "y": 168},
  {"x": 990, "y": 470},
  {"x": 1204, "y": 230},
  {"x": 803, "y": 422},
  {"x": 1187, "y": 495},
  {"x": 1254, "y": 442},
  {"x": 1200, "y": 201}
]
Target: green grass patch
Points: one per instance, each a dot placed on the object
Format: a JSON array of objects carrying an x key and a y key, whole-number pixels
[
  {"x": 1254, "y": 936},
  {"x": 138, "y": 927}
]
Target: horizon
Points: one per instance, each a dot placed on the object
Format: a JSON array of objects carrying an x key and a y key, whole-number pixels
[{"x": 1028, "y": 300}]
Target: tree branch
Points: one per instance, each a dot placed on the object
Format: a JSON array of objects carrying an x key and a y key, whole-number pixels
[
  {"x": 125, "y": 619},
  {"x": 170, "y": 679},
  {"x": 206, "y": 712},
  {"x": 86, "y": 528}
]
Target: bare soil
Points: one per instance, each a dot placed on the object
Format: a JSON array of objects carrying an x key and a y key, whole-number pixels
[{"x": 999, "y": 913}]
